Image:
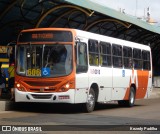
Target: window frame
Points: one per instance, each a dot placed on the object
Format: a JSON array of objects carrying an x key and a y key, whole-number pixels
[
  {"x": 148, "y": 60},
  {"x": 137, "y": 58},
  {"x": 94, "y": 53},
  {"x": 81, "y": 68},
  {"x": 107, "y": 54},
  {"x": 127, "y": 57},
  {"x": 117, "y": 57}
]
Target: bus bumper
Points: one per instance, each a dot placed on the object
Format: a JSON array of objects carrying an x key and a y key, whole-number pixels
[{"x": 56, "y": 97}]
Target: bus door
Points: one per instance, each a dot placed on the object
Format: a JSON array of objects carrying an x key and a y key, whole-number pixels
[
  {"x": 105, "y": 80},
  {"x": 81, "y": 72},
  {"x": 121, "y": 76}
]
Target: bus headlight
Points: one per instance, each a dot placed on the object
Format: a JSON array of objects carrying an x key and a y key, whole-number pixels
[
  {"x": 65, "y": 87},
  {"x": 20, "y": 87}
]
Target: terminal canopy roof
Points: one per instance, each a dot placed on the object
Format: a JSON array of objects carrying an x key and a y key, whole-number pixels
[{"x": 16, "y": 15}]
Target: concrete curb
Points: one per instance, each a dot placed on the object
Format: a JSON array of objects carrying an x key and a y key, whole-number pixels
[
  {"x": 155, "y": 93},
  {"x": 7, "y": 105}
]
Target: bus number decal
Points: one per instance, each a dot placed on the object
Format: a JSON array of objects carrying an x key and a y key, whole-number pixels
[
  {"x": 95, "y": 71},
  {"x": 34, "y": 72},
  {"x": 123, "y": 73}
]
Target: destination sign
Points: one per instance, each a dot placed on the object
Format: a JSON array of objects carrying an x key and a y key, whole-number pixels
[
  {"x": 42, "y": 36},
  {"x": 45, "y": 36}
]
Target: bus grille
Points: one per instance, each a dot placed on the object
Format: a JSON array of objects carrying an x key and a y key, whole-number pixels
[
  {"x": 44, "y": 90},
  {"x": 41, "y": 96},
  {"x": 41, "y": 83}
]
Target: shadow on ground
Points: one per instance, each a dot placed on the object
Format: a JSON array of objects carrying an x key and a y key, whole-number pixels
[{"x": 56, "y": 108}]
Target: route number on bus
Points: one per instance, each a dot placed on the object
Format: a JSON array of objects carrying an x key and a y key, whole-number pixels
[{"x": 34, "y": 72}]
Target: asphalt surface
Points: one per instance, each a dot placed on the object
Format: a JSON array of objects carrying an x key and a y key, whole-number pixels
[
  {"x": 108, "y": 118},
  {"x": 66, "y": 118},
  {"x": 6, "y": 104}
]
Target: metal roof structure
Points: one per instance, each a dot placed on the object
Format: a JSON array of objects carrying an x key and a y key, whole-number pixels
[{"x": 16, "y": 15}]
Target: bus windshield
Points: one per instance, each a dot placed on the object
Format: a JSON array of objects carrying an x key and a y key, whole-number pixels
[{"x": 44, "y": 60}]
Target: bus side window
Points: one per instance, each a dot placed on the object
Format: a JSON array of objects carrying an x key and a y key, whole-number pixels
[
  {"x": 146, "y": 60},
  {"x": 105, "y": 54},
  {"x": 93, "y": 52},
  {"x": 117, "y": 56},
  {"x": 82, "y": 64},
  {"x": 137, "y": 58},
  {"x": 82, "y": 55},
  {"x": 127, "y": 57}
]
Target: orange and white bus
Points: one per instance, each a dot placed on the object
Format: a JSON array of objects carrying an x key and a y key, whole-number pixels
[{"x": 62, "y": 65}]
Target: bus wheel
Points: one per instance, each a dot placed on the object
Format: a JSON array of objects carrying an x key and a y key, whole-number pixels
[
  {"x": 130, "y": 102},
  {"x": 90, "y": 104}
]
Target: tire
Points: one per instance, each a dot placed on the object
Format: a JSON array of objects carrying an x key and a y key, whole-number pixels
[
  {"x": 130, "y": 102},
  {"x": 90, "y": 104}
]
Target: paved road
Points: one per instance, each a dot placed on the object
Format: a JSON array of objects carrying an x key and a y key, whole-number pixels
[{"x": 145, "y": 112}]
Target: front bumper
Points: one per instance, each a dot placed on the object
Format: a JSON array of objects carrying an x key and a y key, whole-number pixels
[{"x": 53, "y": 97}]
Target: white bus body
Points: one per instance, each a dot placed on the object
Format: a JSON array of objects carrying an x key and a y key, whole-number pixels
[{"x": 98, "y": 83}]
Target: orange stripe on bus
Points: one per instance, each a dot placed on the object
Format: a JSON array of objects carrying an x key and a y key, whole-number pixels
[
  {"x": 126, "y": 97},
  {"x": 142, "y": 77}
]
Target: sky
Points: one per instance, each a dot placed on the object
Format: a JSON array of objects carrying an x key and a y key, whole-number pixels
[{"x": 136, "y": 8}]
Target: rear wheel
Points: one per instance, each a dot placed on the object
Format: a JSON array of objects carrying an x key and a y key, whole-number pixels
[
  {"x": 90, "y": 104},
  {"x": 130, "y": 102}
]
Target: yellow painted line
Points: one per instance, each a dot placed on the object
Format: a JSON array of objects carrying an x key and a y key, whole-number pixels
[{"x": 4, "y": 60}]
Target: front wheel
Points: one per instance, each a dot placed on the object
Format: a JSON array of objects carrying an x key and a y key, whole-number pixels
[{"x": 90, "y": 104}]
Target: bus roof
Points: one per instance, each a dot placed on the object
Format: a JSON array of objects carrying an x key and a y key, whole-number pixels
[
  {"x": 111, "y": 40},
  {"x": 89, "y": 35}
]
